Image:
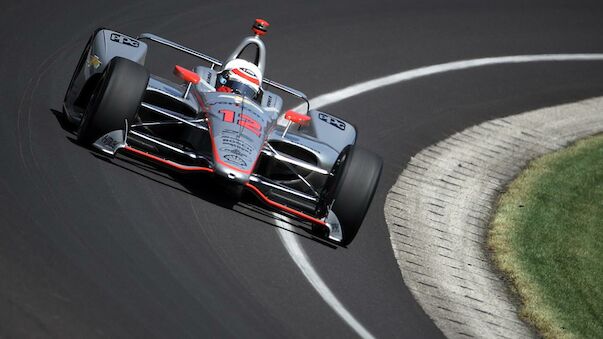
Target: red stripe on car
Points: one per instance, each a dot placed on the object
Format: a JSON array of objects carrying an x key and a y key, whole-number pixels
[
  {"x": 283, "y": 207},
  {"x": 168, "y": 162},
  {"x": 245, "y": 76}
]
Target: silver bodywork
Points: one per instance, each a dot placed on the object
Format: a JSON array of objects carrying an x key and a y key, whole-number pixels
[{"x": 244, "y": 137}]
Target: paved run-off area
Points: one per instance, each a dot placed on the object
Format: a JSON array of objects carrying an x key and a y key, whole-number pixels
[{"x": 439, "y": 210}]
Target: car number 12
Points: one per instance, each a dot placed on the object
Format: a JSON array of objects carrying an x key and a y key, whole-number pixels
[{"x": 244, "y": 120}]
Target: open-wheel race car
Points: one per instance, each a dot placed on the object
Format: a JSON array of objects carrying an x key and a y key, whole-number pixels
[{"x": 222, "y": 119}]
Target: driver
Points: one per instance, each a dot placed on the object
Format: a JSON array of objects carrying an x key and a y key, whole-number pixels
[{"x": 241, "y": 77}]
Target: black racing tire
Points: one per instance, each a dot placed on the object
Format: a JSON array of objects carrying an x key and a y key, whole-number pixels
[
  {"x": 355, "y": 186},
  {"x": 115, "y": 99}
]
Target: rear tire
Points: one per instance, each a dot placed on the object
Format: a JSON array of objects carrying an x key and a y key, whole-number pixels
[
  {"x": 355, "y": 186},
  {"x": 115, "y": 99}
]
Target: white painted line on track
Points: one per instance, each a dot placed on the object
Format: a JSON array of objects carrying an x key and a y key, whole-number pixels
[
  {"x": 290, "y": 240},
  {"x": 363, "y": 87},
  {"x": 297, "y": 253}
]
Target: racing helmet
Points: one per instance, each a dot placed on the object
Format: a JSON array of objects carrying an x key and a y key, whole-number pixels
[{"x": 241, "y": 77}]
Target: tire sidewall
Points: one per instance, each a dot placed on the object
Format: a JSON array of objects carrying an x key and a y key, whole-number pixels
[
  {"x": 116, "y": 99},
  {"x": 356, "y": 185}
]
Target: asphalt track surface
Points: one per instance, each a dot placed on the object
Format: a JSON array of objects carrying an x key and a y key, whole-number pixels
[{"x": 97, "y": 248}]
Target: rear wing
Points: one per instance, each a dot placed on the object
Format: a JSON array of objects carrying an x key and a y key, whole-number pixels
[{"x": 215, "y": 62}]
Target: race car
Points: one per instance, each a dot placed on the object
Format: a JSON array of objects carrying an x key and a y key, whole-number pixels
[{"x": 224, "y": 119}]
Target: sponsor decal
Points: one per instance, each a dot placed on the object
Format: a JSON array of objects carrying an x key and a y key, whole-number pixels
[
  {"x": 110, "y": 142},
  {"x": 232, "y": 151},
  {"x": 235, "y": 159},
  {"x": 248, "y": 71},
  {"x": 122, "y": 39},
  {"x": 232, "y": 143},
  {"x": 335, "y": 227},
  {"x": 93, "y": 61},
  {"x": 332, "y": 121}
]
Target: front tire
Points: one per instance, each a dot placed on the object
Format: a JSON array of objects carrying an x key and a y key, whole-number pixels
[
  {"x": 115, "y": 99},
  {"x": 355, "y": 186}
]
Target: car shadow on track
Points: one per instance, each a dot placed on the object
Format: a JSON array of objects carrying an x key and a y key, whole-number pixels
[{"x": 202, "y": 186}]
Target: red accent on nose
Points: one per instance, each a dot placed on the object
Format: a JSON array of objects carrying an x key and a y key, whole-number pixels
[
  {"x": 186, "y": 75},
  {"x": 297, "y": 118}
]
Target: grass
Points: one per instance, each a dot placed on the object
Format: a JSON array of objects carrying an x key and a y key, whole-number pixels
[{"x": 547, "y": 237}]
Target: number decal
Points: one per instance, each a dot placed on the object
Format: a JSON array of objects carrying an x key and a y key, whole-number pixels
[
  {"x": 252, "y": 125},
  {"x": 244, "y": 120},
  {"x": 228, "y": 115}
]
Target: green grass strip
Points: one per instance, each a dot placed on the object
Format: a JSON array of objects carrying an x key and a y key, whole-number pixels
[{"x": 547, "y": 237}]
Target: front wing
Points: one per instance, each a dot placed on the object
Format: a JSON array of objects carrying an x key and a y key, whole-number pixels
[{"x": 117, "y": 141}]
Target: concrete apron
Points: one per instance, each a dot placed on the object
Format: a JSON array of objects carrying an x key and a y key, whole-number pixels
[{"x": 438, "y": 213}]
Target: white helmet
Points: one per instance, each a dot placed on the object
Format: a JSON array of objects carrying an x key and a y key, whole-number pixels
[{"x": 242, "y": 77}]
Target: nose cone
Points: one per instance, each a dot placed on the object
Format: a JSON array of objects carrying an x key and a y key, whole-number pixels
[
  {"x": 237, "y": 130},
  {"x": 235, "y": 148},
  {"x": 231, "y": 174}
]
